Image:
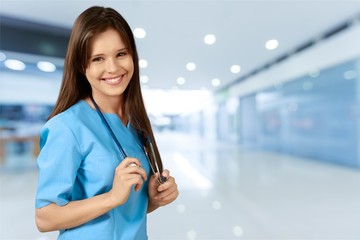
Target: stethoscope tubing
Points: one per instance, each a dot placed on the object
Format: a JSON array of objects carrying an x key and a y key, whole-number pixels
[{"x": 161, "y": 179}]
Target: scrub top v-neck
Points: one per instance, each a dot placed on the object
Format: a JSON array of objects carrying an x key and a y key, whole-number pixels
[{"x": 77, "y": 160}]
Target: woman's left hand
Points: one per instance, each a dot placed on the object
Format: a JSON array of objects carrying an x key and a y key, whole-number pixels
[{"x": 163, "y": 194}]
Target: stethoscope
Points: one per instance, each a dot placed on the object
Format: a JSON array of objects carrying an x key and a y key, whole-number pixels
[{"x": 161, "y": 179}]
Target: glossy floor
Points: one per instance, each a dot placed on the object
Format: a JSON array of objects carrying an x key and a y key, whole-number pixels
[{"x": 227, "y": 192}]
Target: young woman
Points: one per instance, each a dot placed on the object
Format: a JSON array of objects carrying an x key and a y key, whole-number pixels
[{"x": 99, "y": 166}]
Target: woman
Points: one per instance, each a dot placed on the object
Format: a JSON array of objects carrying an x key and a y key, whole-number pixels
[{"x": 88, "y": 188}]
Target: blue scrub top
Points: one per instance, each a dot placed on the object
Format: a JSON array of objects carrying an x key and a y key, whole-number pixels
[{"x": 77, "y": 160}]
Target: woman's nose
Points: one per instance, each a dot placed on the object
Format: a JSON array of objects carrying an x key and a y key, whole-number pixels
[{"x": 111, "y": 65}]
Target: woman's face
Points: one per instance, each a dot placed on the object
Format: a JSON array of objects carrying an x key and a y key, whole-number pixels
[{"x": 110, "y": 67}]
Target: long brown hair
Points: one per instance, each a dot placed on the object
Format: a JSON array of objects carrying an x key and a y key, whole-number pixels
[{"x": 75, "y": 86}]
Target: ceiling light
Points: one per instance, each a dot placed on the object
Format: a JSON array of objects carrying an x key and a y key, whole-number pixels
[
  {"x": 139, "y": 33},
  {"x": 314, "y": 73},
  {"x": 215, "y": 82},
  {"x": 180, "y": 80},
  {"x": 272, "y": 44},
  {"x": 2, "y": 56},
  {"x": 143, "y": 63},
  {"x": 15, "y": 64},
  {"x": 191, "y": 66},
  {"x": 235, "y": 69},
  {"x": 351, "y": 74},
  {"x": 238, "y": 231},
  {"x": 46, "y": 66},
  {"x": 210, "y": 39},
  {"x": 144, "y": 79}
]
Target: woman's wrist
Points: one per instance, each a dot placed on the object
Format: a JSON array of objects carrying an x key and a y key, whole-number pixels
[{"x": 151, "y": 206}]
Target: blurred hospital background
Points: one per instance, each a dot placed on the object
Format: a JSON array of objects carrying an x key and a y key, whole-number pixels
[{"x": 255, "y": 106}]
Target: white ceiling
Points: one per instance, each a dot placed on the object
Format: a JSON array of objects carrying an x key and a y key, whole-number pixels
[{"x": 175, "y": 31}]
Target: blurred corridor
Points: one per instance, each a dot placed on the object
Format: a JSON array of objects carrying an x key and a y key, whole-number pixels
[{"x": 255, "y": 107}]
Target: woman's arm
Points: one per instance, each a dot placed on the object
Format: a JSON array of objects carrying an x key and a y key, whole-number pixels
[{"x": 54, "y": 217}]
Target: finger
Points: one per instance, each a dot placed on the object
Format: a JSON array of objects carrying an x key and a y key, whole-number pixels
[
  {"x": 136, "y": 170},
  {"x": 171, "y": 188},
  {"x": 129, "y": 160},
  {"x": 169, "y": 182},
  {"x": 166, "y": 173},
  {"x": 135, "y": 179},
  {"x": 169, "y": 197}
]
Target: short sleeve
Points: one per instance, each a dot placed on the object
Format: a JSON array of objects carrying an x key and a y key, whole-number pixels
[{"x": 58, "y": 163}]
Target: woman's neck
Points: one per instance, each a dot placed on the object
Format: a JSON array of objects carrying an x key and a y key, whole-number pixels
[{"x": 112, "y": 105}]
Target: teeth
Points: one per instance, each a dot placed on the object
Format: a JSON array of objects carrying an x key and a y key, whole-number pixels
[{"x": 112, "y": 80}]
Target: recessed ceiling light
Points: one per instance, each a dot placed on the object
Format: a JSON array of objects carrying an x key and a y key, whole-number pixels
[
  {"x": 143, "y": 63},
  {"x": 215, "y": 82},
  {"x": 139, "y": 33},
  {"x": 180, "y": 80},
  {"x": 46, "y": 66},
  {"x": 2, "y": 56},
  {"x": 191, "y": 66},
  {"x": 144, "y": 79},
  {"x": 235, "y": 69},
  {"x": 15, "y": 64},
  {"x": 272, "y": 44},
  {"x": 210, "y": 39}
]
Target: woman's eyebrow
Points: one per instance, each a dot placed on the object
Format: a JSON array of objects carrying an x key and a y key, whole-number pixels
[{"x": 101, "y": 54}]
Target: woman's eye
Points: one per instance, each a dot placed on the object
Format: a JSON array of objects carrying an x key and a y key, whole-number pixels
[
  {"x": 120, "y": 54},
  {"x": 97, "y": 59}
]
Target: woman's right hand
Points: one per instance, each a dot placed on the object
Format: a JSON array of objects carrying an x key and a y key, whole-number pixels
[
  {"x": 128, "y": 173},
  {"x": 54, "y": 217}
]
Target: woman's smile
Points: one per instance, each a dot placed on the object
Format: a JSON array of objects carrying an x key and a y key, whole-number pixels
[{"x": 114, "y": 80}]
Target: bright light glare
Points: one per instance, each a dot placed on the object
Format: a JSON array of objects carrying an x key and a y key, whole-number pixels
[
  {"x": 144, "y": 79},
  {"x": 46, "y": 66},
  {"x": 139, "y": 33},
  {"x": 191, "y": 66},
  {"x": 143, "y": 63},
  {"x": 172, "y": 102},
  {"x": 215, "y": 82},
  {"x": 200, "y": 181},
  {"x": 180, "y": 80},
  {"x": 235, "y": 69},
  {"x": 210, "y": 39},
  {"x": 15, "y": 64},
  {"x": 272, "y": 44}
]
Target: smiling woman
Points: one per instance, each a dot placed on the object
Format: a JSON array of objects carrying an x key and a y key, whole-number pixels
[
  {"x": 87, "y": 187},
  {"x": 110, "y": 70}
]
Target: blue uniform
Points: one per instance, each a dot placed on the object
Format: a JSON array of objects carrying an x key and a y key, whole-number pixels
[{"x": 77, "y": 160}]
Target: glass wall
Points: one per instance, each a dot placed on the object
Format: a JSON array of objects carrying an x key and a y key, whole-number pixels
[{"x": 315, "y": 116}]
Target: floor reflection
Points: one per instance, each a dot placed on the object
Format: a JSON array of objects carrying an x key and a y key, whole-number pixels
[{"x": 226, "y": 192}]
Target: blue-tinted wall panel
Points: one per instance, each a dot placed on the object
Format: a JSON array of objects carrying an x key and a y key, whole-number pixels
[{"x": 313, "y": 116}]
